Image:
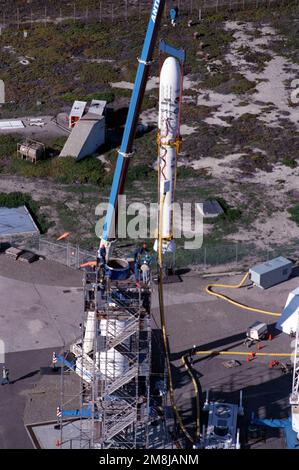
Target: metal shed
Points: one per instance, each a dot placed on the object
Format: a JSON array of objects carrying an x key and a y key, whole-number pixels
[
  {"x": 16, "y": 222},
  {"x": 210, "y": 209},
  {"x": 272, "y": 272}
]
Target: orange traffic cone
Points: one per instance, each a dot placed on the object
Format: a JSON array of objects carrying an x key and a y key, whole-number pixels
[{"x": 270, "y": 337}]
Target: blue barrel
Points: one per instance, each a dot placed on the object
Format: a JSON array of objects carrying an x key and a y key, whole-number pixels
[{"x": 117, "y": 269}]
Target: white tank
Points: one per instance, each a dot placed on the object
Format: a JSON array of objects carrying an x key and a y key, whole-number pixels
[
  {"x": 115, "y": 364},
  {"x": 89, "y": 334},
  {"x": 32, "y": 150},
  {"x": 169, "y": 129}
]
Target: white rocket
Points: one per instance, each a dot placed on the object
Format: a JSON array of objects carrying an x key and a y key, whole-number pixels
[{"x": 169, "y": 142}]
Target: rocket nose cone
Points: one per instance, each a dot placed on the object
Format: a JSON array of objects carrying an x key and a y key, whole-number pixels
[{"x": 171, "y": 69}]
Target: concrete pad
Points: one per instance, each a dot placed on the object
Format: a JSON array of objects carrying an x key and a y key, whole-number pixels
[
  {"x": 34, "y": 315},
  {"x": 195, "y": 318}
]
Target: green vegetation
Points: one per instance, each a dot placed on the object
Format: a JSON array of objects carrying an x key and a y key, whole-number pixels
[
  {"x": 294, "y": 212},
  {"x": 242, "y": 85},
  {"x": 62, "y": 170},
  {"x": 8, "y": 146},
  {"x": 17, "y": 199},
  {"x": 290, "y": 162}
]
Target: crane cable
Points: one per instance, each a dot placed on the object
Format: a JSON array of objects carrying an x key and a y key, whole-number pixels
[
  {"x": 164, "y": 333},
  {"x": 234, "y": 302}
]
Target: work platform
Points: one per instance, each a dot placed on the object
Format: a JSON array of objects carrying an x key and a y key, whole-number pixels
[{"x": 113, "y": 362}]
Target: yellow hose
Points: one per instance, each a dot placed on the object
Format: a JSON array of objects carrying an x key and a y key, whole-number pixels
[
  {"x": 189, "y": 370},
  {"x": 234, "y": 302},
  {"x": 240, "y": 353}
]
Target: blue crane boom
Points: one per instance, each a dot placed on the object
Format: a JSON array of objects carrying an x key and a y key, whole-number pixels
[{"x": 126, "y": 148}]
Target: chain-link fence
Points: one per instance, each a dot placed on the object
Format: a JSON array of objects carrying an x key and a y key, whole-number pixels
[
  {"x": 23, "y": 15},
  {"x": 233, "y": 256},
  {"x": 65, "y": 253},
  {"x": 230, "y": 256}
]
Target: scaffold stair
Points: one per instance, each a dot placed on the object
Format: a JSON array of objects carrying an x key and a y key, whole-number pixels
[
  {"x": 120, "y": 423},
  {"x": 122, "y": 380},
  {"x": 114, "y": 340}
]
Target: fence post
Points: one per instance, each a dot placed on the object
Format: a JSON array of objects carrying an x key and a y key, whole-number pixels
[{"x": 205, "y": 257}]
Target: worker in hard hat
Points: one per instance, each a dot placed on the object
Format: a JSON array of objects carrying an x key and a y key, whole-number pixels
[
  {"x": 142, "y": 251},
  {"x": 5, "y": 375},
  {"x": 173, "y": 14},
  {"x": 101, "y": 258},
  {"x": 146, "y": 260}
]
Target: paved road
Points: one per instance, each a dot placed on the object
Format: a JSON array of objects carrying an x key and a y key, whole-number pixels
[
  {"x": 195, "y": 318},
  {"x": 41, "y": 306},
  {"x": 24, "y": 373},
  {"x": 38, "y": 308}
]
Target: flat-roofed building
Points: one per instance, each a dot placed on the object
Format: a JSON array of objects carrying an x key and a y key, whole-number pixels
[{"x": 16, "y": 222}]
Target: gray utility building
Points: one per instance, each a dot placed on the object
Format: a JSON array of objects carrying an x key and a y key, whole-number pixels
[
  {"x": 210, "y": 209},
  {"x": 16, "y": 222},
  {"x": 88, "y": 133},
  {"x": 272, "y": 272}
]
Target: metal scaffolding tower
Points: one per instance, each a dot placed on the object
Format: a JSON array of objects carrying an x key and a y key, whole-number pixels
[
  {"x": 113, "y": 361},
  {"x": 294, "y": 398}
]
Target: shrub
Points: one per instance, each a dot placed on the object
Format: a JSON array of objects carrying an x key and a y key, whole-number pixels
[
  {"x": 289, "y": 161},
  {"x": 294, "y": 212},
  {"x": 64, "y": 170}
]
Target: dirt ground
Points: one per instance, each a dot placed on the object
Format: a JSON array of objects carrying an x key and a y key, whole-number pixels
[{"x": 239, "y": 126}]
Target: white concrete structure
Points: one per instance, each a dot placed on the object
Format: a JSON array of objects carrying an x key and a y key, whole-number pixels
[
  {"x": 98, "y": 107},
  {"x": 169, "y": 134},
  {"x": 289, "y": 319},
  {"x": 76, "y": 113},
  {"x": 86, "y": 137}
]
